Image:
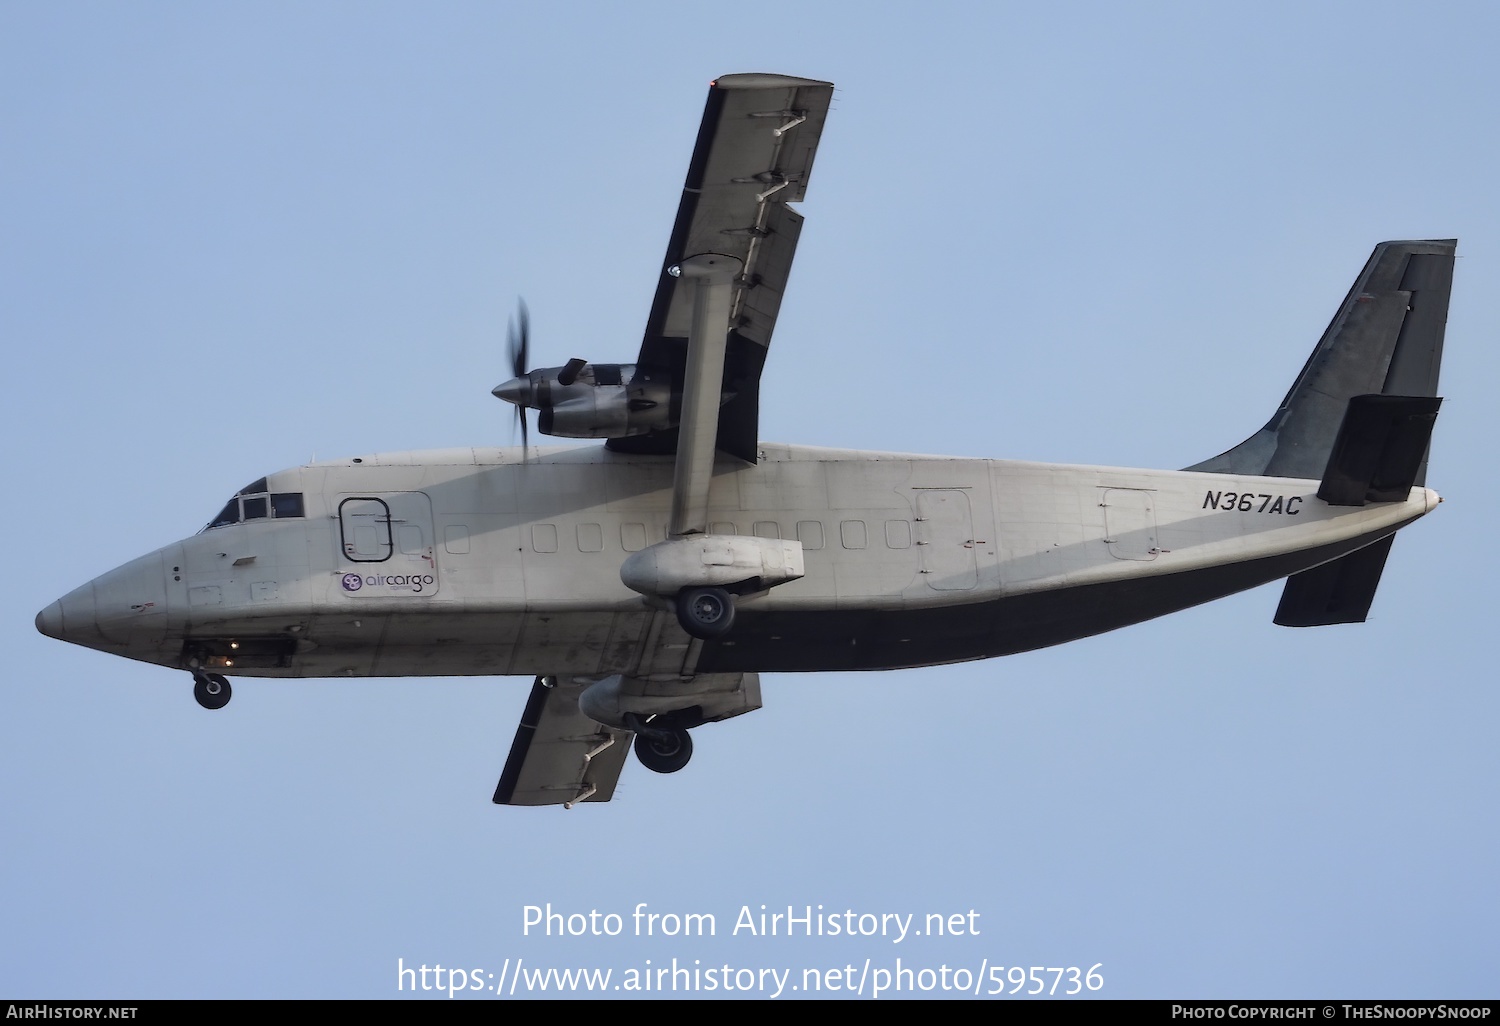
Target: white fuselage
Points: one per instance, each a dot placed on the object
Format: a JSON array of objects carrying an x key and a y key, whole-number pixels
[{"x": 471, "y": 561}]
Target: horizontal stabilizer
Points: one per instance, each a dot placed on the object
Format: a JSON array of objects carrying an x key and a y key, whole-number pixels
[
  {"x": 1379, "y": 450},
  {"x": 560, "y": 756},
  {"x": 1336, "y": 592}
]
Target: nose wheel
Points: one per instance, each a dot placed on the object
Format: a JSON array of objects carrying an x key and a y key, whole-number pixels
[
  {"x": 705, "y": 613},
  {"x": 664, "y": 751},
  {"x": 212, "y": 690}
]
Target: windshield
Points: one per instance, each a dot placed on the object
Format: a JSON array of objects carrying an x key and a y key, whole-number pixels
[{"x": 257, "y": 502}]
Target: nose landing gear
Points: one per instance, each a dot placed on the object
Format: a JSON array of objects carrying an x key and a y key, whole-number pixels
[{"x": 212, "y": 690}]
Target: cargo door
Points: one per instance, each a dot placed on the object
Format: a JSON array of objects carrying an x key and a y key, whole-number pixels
[
  {"x": 386, "y": 544},
  {"x": 1130, "y": 523},
  {"x": 945, "y": 538}
]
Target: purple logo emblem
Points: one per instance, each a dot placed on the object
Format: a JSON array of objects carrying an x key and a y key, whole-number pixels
[{"x": 352, "y": 582}]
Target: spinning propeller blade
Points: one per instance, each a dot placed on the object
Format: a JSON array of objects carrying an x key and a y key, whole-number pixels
[{"x": 518, "y": 344}]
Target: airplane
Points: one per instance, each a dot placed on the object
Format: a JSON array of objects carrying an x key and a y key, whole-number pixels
[{"x": 646, "y": 583}]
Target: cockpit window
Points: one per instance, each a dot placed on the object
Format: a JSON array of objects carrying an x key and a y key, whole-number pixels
[
  {"x": 258, "y": 506},
  {"x": 230, "y": 514},
  {"x": 254, "y": 487}
]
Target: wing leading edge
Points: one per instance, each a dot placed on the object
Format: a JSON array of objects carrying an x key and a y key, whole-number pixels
[{"x": 753, "y": 158}]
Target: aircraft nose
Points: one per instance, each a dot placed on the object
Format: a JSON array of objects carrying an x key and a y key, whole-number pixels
[
  {"x": 50, "y": 621},
  {"x": 124, "y": 607},
  {"x": 74, "y": 617}
]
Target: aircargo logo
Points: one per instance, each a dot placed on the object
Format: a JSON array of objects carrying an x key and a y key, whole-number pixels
[{"x": 416, "y": 583}]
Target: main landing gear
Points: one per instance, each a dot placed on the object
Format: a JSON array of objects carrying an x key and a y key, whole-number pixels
[
  {"x": 705, "y": 613},
  {"x": 663, "y": 751},
  {"x": 212, "y": 690}
]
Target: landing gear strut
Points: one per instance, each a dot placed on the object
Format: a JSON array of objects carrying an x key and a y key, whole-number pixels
[
  {"x": 212, "y": 690},
  {"x": 705, "y": 613},
  {"x": 664, "y": 751}
]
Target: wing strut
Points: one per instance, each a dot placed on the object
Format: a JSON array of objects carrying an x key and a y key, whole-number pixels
[{"x": 713, "y": 276}]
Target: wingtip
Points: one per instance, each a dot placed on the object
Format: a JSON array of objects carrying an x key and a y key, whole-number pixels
[
  {"x": 765, "y": 80},
  {"x": 1423, "y": 245}
]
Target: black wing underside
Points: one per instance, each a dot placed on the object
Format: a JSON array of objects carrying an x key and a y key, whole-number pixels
[
  {"x": 560, "y": 756},
  {"x": 753, "y": 157}
]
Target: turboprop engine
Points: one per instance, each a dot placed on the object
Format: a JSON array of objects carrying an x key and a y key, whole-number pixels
[
  {"x": 589, "y": 400},
  {"x": 582, "y": 399}
]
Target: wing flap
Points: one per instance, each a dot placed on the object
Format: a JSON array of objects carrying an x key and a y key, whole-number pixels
[
  {"x": 748, "y": 175},
  {"x": 760, "y": 299},
  {"x": 560, "y": 756}
]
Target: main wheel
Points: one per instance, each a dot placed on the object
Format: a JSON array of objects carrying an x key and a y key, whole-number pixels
[
  {"x": 212, "y": 690},
  {"x": 664, "y": 751},
  {"x": 705, "y": 613}
]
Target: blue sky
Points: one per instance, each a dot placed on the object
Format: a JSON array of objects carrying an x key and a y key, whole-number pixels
[{"x": 234, "y": 237}]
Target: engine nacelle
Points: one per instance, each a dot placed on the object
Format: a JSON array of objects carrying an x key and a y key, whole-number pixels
[
  {"x": 585, "y": 400},
  {"x": 734, "y": 562},
  {"x": 707, "y": 698},
  {"x": 605, "y": 411}
]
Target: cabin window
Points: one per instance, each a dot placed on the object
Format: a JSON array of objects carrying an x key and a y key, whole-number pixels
[
  {"x": 852, "y": 534},
  {"x": 723, "y": 527},
  {"x": 810, "y": 534},
  {"x": 409, "y": 538},
  {"x": 456, "y": 539},
  {"x": 767, "y": 529},
  {"x": 544, "y": 537},
  {"x": 590, "y": 538},
  {"x": 898, "y": 534},
  {"x": 633, "y": 537}
]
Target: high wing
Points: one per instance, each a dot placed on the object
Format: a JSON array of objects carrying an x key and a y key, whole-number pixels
[
  {"x": 725, "y": 271},
  {"x": 753, "y": 157}
]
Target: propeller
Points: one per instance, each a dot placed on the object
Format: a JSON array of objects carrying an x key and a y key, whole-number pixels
[
  {"x": 527, "y": 387},
  {"x": 518, "y": 344}
]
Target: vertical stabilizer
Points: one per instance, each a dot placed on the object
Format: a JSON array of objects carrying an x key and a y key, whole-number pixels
[{"x": 1387, "y": 338}]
